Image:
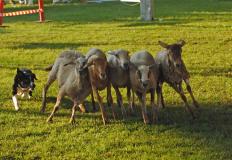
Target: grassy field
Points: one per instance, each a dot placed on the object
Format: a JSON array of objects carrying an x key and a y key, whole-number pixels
[{"x": 206, "y": 26}]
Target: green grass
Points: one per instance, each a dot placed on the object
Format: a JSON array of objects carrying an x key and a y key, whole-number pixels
[{"x": 204, "y": 25}]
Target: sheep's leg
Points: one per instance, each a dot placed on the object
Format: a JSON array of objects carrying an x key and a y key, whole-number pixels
[
  {"x": 93, "y": 102},
  {"x": 74, "y": 108},
  {"x": 119, "y": 98},
  {"x": 154, "y": 107},
  {"x": 82, "y": 108},
  {"x": 109, "y": 97},
  {"x": 160, "y": 98},
  {"x": 51, "y": 79},
  {"x": 183, "y": 97},
  {"x": 133, "y": 98},
  {"x": 131, "y": 102},
  {"x": 191, "y": 93},
  {"x": 110, "y": 101},
  {"x": 56, "y": 107},
  {"x": 99, "y": 99},
  {"x": 142, "y": 99}
]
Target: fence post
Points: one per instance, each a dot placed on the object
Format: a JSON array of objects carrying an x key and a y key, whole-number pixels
[
  {"x": 146, "y": 8},
  {"x": 41, "y": 11},
  {"x": 1, "y": 11}
]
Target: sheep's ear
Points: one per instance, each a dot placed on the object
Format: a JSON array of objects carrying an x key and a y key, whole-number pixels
[
  {"x": 132, "y": 66},
  {"x": 111, "y": 53},
  {"x": 86, "y": 65},
  {"x": 181, "y": 43},
  {"x": 165, "y": 45},
  {"x": 70, "y": 63},
  {"x": 128, "y": 53}
]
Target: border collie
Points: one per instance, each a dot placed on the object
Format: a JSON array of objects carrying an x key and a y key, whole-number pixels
[{"x": 23, "y": 85}]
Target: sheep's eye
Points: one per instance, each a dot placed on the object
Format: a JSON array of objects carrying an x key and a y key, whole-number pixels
[{"x": 139, "y": 74}]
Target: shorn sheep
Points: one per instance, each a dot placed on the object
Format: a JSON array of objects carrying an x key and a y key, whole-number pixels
[
  {"x": 118, "y": 73},
  {"x": 64, "y": 58},
  {"x": 173, "y": 71},
  {"x": 144, "y": 79},
  {"x": 97, "y": 62},
  {"x": 74, "y": 83}
]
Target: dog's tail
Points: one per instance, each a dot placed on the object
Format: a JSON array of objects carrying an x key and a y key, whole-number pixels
[{"x": 48, "y": 68}]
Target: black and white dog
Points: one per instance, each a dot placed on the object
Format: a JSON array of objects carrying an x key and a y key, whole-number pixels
[{"x": 23, "y": 85}]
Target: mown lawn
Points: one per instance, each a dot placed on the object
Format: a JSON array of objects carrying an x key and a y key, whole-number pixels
[{"x": 206, "y": 26}]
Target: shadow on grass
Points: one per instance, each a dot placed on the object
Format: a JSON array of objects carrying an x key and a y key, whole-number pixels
[
  {"x": 57, "y": 45},
  {"x": 162, "y": 22},
  {"x": 209, "y": 113},
  {"x": 49, "y": 45},
  {"x": 213, "y": 125},
  {"x": 206, "y": 71}
]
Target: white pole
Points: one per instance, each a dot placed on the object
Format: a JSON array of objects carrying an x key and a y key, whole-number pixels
[
  {"x": 146, "y": 9},
  {"x": 30, "y": 2}
]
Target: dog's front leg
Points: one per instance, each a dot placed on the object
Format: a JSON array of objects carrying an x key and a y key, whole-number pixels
[
  {"x": 15, "y": 102},
  {"x": 14, "y": 97}
]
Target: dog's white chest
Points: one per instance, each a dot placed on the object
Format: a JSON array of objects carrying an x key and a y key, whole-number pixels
[{"x": 23, "y": 92}]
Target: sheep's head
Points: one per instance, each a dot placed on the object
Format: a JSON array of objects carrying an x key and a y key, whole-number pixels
[
  {"x": 174, "y": 54},
  {"x": 123, "y": 58},
  {"x": 99, "y": 65},
  {"x": 80, "y": 65},
  {"x": 143, "y": 75}
]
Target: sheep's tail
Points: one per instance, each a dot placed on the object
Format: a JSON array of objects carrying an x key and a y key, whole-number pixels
[{"x": 48, "y": 68}]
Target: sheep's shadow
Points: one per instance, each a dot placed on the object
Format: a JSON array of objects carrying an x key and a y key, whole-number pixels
[{"x": 213, "y": 121}]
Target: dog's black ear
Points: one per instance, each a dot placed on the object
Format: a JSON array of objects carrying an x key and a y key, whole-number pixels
[
  {"x": 34, "y": 76},
  {"x": 19, "y": 72}
]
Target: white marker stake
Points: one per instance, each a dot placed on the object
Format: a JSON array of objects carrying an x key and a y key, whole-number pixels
[{"x": 15, "y": 101}]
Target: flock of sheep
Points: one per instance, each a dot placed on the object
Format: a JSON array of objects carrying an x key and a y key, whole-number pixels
[{"x": 79, "y": 76}]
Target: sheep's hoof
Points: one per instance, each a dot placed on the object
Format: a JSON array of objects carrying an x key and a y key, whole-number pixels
[
  {"x": 49, "y": 120},
  {"x": 154, "y": 120},
  {"x": 82, "y": 108},
  {"x": 132, "y": 112},
  {"x": 198, "y": 112},
  {"x": 105, "y": 121},
  {"x": 94, "y": 109},
  {"x": 114, "y": 116},
  {"x": 162, "y": 106},
  {"x": 196, "y": 105},
  {"x": 194, "y": 117},
  {"x": 72, "y": 121},
  {"x": 124, "y": 116},
  {"x": 42, "y": 110},
  {"x": 146, "y": 121}
]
